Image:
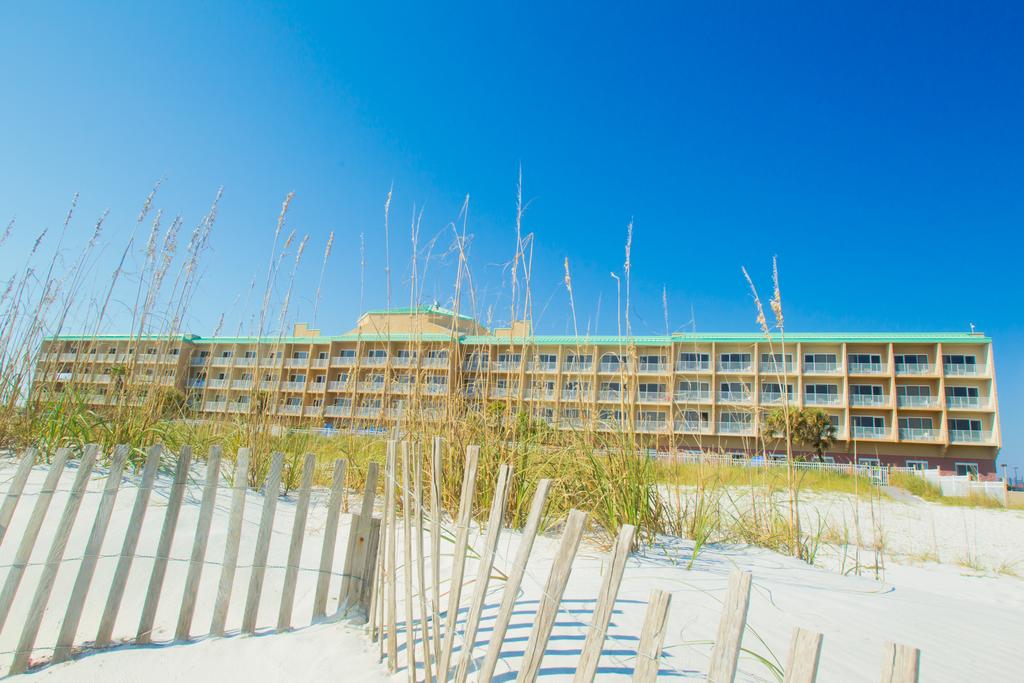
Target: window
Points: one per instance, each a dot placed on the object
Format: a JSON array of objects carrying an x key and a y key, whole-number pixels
[
  {"x": 910, "y": 359},
  {"x": 509, "y": 358},
  {"x": 226, "y": 354},
  {"x": 296, "y": 378},
  {"x": 864, "y": 359},
  {"x": 870, "y": 462},
  {"x": 775, "y": 389},
  {"x": 347, "y": 353},
  {"x": 151, "y": 351},
  {"x": 319, "y": 379},
  {"x": 377, "y": 353},
  {"x": 868, "y": 422},
  {"x": 735, "y": 389},
  {"x": 612, "y": 359},
  {"x": 914, "y": 390},
  {"x": 322, "y": 355},
  {"x": 964, "y": 469},
  {"x": 734, "y": 361},
  {"x": 547, "y": 359},
  {"x": 962, "y": 392},
  {"x": 609, "y": 415},
  {"x": 579, "y": 359},
  {"x": 652, "y": 360},
  {"x": 693, "y": 387},
  {"x": 300, "y": 355},
  {"x": 737, "y": 418},
  {"x": 651, "y": 416},
  {"x": 958, "y": 359},
  {"x": 963, "y": 425},
  {"x": 695, "y": 360},
  {"x": 828, "y": 458},
  {"x": 915, "y": 423},
  {"x": 776, "y": 358},
  {"x": 917, "y": 464},
  {"x": 822, "y": 390},
  {"x": 693, "y": 420},
  {"x": 249, "y": 354},
  {"x": 611, "y": 386},
  {"x": 436, "y": 354},
  {"x": 865, "y": 389},
  {"x": 820, "y": 360}
]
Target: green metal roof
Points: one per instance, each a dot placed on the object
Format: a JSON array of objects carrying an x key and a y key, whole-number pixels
[
  {"x": 433, "y": 309},
  {"x": 571, "y": 340}
]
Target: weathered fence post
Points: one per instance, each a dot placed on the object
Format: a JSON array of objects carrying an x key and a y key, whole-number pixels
[
  {"x": 28, "y": 539},
  {"x": 515, "y": 578},
  {"x": 13, "y": 495},
  {"x": 483, "y": 574},
  {"x": 73, "y": 614},
  {"x": 726, "y": 652},
  {"x": 410, "y": 630},
  {"x": 421, "y": 561},
  {"x": 131, "y": 542},
  {"x": 356, "y": 553},
  {"x": 53, "y": 559},
  {"x": 436, "y": 466},
  {"x": 229, "y": 564},
  {"x": 804, "y": 651},
  {"x": 323, "y": 579},
  {"x": 163, "y": 549},
  {"x": 291, "y": 574},
  {"x": 195, "y": 565},
  {"x": 652, "y": 638},
  {"x": 602, "y": 615},
  {"x": 271, "y": 488},
  {"x": 553, "y": 589},
  {"x": 459, "y": 563},
  {"x": 900, "y": 663}
]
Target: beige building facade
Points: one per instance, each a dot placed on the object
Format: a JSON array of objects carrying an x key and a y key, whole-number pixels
[{"x": 910, "y": 399}]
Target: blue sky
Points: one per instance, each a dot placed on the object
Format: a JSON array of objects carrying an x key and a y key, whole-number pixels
[{"x": 878, "y": 151}]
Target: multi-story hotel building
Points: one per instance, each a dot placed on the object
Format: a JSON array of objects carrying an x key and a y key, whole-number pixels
[{"x": 911, "y": 399}]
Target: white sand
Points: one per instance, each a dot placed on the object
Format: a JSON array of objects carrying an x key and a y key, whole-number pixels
[{"x": 964, "y": 621}]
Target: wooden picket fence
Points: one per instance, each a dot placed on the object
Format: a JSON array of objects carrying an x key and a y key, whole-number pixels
[
  {"x": 370, "y": 570},
  {"x": 356, "y": 579}
]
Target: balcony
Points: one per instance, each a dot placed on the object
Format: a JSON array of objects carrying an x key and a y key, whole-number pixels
[
  {"x": 368, "y": 411},
  {"x": 571, "y": 423},
  {"x": 861, "y": 400},
  {"x": 319, "y": 363},
  {"x": 268, "y": 384},
  {"x": 217, "y": 383},
  {"x": 610, "y": 395},
  {"x": 401, "y": 387},
  {"x": 966, "y": 402},
  {"x": 435, "y": 389},
  {"x": 430, "y": 362},
  {"x": 343, "y": 361},
  {"x": 542, "y": 366},
  {"x": 970, "y": 436},
  {"x": 613, "y": 367},
  {"x": 69, "y": 357},
  {"x": 199, "y": 361},
  {"x": 475, "y": 365},
  {"x": 501, "y": 392},
  {"x": 905, "y": 401},
  {"x": 158, "y": 358},
  {"x": 653, "y": 368},
  {"x": 373, "y": 387},
  {"x": 652, "y": 426},
  {"x": 914, "y": 368},
  {"x": 822, "y": 368},
  {"x": 312, "y": 411},
  {"x": 541, "y": 393},
  {"x": 63, "y": 376},
  {"x": 214, "y": 406},
  {"x": 296, "y": 362},
  {"x": 374, "y": 360},
  {"x": 575, "y": 395},
  {"x": 821, "y": 399},
  {"x": 734, "y": 397},
  {"x": 693, "y": 365},
  {"x": 742, "y": 428},
  {"x": 506, "y": 365},
  {"x": 692, "y": 427},
  {"x": 338, "y": 385},
  {"x": 404, "y": 361},
  {"x": 238, "y": 407},
  {"x": 289, "y": 409},
  {"x": 337, "y": 411},
  {"x": 919, "y": 434},
  {"x": 734, "y": 366},
  {"x": 964, "y": 369},
  {"x": 693, "y": 396},
  {"x": 98, "y": 399},
  {"x": 245, "y": 362},
  {"x": 221, "y": 361},
  {"x": 776, "y": 368},
  {"x": 774, "y": 397},
  {"x": 651, "y": 396},
  {"x": 241, "y": 384},
  {"x": 577, "y": 367},
  {"x": 862, "y": 432},
  {"x": 293, "y": 386},
  {"x": 318, "y": 387},
  {"x": 868, "y": 368}
]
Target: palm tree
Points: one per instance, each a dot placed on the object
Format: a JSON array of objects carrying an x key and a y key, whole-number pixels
[{"x": 810, "y": 428}]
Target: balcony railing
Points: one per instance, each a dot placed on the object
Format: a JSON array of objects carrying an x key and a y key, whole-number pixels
[
  {"x": 610, "y": 395},
  {"x": 296, "y": 362},
  {"x": 970, "y": 436},
  {"x": 401, "y": 387},
  {"x": 268, "y": 384},
  {"x": 241, "y": 384},
  {"x": 652, "y": 367},
  {"x": 501, "y": 392},
  {"x": 966, "y": 402},
  {"x": 474, "y": 365},
  {"x": 575, "y": 394},
  {"x": 914, "y": 368},
  {"x": 693, "y": 365},
  {"x": 319, "y": 362},
  {"x": 822, "y": 368},
  {"x": 429, "y": 362},
  {"x": 651, "y": 426},
  {"x": 776, "y": 368},
  {"x": 293, "y": 386},
  {"x": 371, "y": 386},
  {"x": 821, "y": 399},
  {"x": 199, "y": 361},
  {"x": 772, "y": 397},
  {"x": 736, "y": 427},
  {"x": 541, "y": 393},
  {"x": 734, "y": 366},
  {"x": 245, "y": 362},
  {"x": 651, "y": 396},
  {"x": 289, "y": 409},
  {"x": 433, "y": 388},
  {"x": 542, "y": 366},
  {"x": 312, "y": 411},
  {"x": 506, "y": 365},
  {"x": 577, "y": 367},
  {"x": 367, "y": 411},
  {"x": 692, "y": 426},
  {"x": 868, "y": 399},
  {"x": 238, "y": 407},
  {"x": 964, "y": 369},
  {"x": 693, "y": 395},
  {"x": 374, "y": 360},
  {"x": 919, "y": 434},
  {"x": 613, "y": 367},
  {"x": 735, "y": 396},
  {"x": 214, "y": 406},
  {"x": 343, "y": 361},
  {"x": 337, "y": 411},
  {"x": 217, "y": 383},
  {"x": 907, "y": 401},
  {"x": 318, "y": 387},
  {"x": 338, "y": 385},
  {"x": 867, "y": 368},
  {"x": 862, "y": 432},
  {"x": 404, "y": 361}
]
